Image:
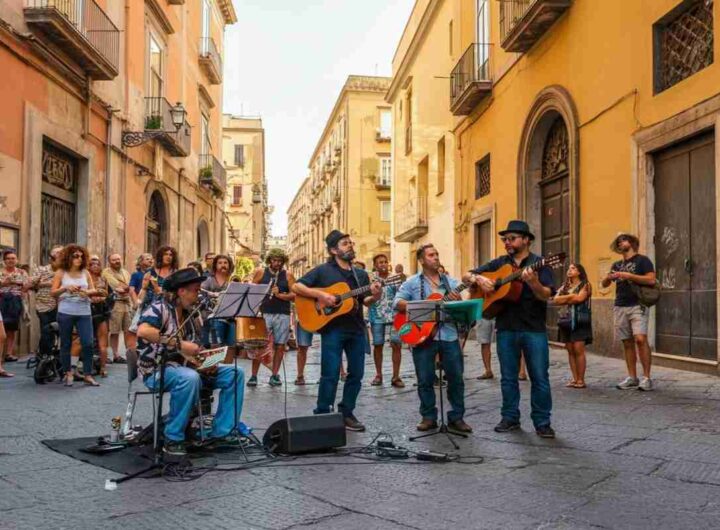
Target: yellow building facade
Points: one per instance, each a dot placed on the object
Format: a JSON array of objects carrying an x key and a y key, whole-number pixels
[
  {"x": 246, "y": 195},
  {"x": 589, "y": 118},
  {"x": 298, "y": 231},
  {"x": 349, "y": 172},
  {"x": 423, "y": 190}
]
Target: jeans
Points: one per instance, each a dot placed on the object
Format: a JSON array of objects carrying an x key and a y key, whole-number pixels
[
  {"x": 424, "y": 360},
  {"x": 218, "y": 331},
  {"x": 534, "y": 345},
  {"x": 184, "y": 386},
  {"x": 47, "y": 336},
  {"x": 332, "y": 345},
  {"x": 84, "y": 326}
]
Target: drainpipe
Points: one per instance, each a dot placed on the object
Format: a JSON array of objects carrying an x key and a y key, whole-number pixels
[{"x": 108, "y": 172}]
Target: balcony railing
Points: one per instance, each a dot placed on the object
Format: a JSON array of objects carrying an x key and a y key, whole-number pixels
[
  {"x": 524, "y": 22},
  {"x": 211, "y": 60},
  {"x": 408, "y": 139},
  {"x": 82, "y": 30},
  {"x": 159, "y": 118},
  {"x": 212, "y": 174},
  {"x": 383, "y": 182},
  {"x": 411, "y": 221},
  {"x": 382, "y": 135},
  {"x": 470, "y": 79}
]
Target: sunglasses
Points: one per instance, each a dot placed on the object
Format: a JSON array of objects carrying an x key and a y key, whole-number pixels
[
  {"x": 77, "y": 255},
  {"x": 509, "y": 239}
]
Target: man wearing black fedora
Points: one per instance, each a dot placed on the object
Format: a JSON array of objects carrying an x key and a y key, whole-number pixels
[
  {"x": 521, "y": 328},
  {"x": 345, "y": 333},
  {"x": 157, "y": 325}
]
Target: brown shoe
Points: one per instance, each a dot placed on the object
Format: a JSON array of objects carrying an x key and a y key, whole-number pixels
[
  {"x": 427, "y": 425},
  {"x": 459, "y": 426}
]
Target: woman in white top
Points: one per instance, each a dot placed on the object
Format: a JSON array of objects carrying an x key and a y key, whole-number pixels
[{"x": 73, "y": 286}]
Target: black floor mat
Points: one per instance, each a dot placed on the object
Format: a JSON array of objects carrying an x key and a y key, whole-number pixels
[{"x": 126, "y": 461}]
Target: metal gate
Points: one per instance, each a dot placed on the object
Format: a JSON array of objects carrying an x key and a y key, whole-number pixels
[
  {"x": 685, "y": 246},
  {"x": 58, "y": 201}
]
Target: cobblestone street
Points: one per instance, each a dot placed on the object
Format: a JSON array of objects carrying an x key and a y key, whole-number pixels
[{"x": 621, "y": 460}]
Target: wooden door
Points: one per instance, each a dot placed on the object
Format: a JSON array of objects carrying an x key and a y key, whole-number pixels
[{"x": 685, "y": 247}]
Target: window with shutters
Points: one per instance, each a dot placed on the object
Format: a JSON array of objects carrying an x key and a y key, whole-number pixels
[
  {"x": 482, "y": 177},
  {"x": 385, "y": 207},
  {"x": 240, "y": 155},
  {"x": 237, "y": 195}
]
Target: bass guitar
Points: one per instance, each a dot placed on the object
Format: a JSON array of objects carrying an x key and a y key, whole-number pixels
[
  {"x": 413, "y": 334},
  {"x": 314, "y": 316},
  {"x": 508, "y": 285}
]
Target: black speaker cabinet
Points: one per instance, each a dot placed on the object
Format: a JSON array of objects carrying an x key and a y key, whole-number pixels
[{"x": 306, "y": 434}]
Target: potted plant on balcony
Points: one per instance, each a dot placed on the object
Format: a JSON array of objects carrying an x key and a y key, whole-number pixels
[
  {"x": 153, "y": 122},
  {"x": 206, "y": 174}
]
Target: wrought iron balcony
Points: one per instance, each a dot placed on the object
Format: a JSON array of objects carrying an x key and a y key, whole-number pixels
[
  {"x": 411, "y": 221},
  {"x": 470, "y": 79},
  {"x": 524, "y": 22},
  {"x": 211, "y": 60},
  {"x": 82, "y": 30},
  {"x": 212, "y": 174},
  {"x": 159, "y": 124}
]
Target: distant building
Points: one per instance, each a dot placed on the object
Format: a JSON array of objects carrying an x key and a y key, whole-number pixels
[{"x": 277, "y": 242}]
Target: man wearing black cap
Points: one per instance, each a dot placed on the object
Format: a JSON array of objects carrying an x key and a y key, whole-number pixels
[
  {"x": 156, "y": 328},
  {"x": 520, "y": 328},
  {"x": 345, "y": 333}
]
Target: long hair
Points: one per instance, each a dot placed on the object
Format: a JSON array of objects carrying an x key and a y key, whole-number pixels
[
  {"x": 68, "y": 251},
  {"x": 159, "y": 257},
  {"x": 583, "y": 279},
  {"x": 217, "y": 258}
]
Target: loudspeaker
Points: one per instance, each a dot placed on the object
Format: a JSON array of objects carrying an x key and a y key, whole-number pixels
[{"x": 305, "y": 434}]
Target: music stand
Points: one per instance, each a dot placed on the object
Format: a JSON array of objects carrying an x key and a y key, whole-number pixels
[
  {"x": 240, "y": 300},
  {"x": 418, "y": 313}
]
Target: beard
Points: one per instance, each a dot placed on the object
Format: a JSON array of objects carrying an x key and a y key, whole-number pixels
[{"x": 347, "y": 256}]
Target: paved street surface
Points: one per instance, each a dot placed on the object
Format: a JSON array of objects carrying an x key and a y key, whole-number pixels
[{"x": 621, "y": 460}]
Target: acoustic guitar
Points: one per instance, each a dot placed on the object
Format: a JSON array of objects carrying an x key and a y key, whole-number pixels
[
  {"x": 314, "y": 316},
  {"x": 412, "y": 334},
  {"x": 508, "y": 285}
]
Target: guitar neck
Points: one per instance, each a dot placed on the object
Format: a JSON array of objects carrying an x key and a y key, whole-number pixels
[
  {"x": 355, "y": 292},
  {"x": 459, "y": 289},
  {"x": 515, "y": 276}
]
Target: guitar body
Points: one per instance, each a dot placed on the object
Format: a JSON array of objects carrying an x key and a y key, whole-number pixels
[
  {"x": 509, "y": 293},
  {"x": 413, "y": 334},
  {"x": 314, "y": 317}
]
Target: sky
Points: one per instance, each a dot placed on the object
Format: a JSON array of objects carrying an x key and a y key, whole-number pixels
[{"x": 287, "y": 60}]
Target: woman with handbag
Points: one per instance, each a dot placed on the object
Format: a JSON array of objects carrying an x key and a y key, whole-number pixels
[
  {"x": 575, "y": 321},
  {"x": 101, "y": 305}
]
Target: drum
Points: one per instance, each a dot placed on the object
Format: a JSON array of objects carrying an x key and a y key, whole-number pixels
[{"x": 250, "y": 333}]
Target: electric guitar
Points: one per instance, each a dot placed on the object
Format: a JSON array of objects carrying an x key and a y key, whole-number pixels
[
  {"x": 508, "y": 285},
  {"x": 412, "y": 334},
  {"x": 314, "y": 316}
]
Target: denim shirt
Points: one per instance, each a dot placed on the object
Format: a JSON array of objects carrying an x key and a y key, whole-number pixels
[{"x": 410, "y": 291}]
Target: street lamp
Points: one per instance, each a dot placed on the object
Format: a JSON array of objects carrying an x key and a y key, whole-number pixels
[
  {"x": 177, "y": 117},
  {"x": 177, "y": 114}
]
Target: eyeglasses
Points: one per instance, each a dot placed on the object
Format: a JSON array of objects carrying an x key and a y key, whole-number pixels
[
  {"x": 77, "y": 255},
  {"x": 168, "y": 253},
  {"x": 509, "y": 239}
]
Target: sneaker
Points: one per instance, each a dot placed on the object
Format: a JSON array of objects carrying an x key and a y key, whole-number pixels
[
  {"x": 174, "y": 448},
  {"x": 627, "y": 384},
  {"x": 274, "y": 380},
  {"x": 545, "y": 432},
  {"x": 646, "y": 384},
  {"x": 352, "y": 424},
  {"x": 252, "y": 381},
  {"x": 507, "y": 426},
  {"x": 229, "y": 440}
]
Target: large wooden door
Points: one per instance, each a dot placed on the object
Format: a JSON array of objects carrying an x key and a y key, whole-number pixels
[
  {"x": 58, "y": 200},
  {"x": 685, "y": 247}
]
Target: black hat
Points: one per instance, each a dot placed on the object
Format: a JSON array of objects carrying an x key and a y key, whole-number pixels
[
  {"x": 334, "y": 237},
  {"x": 518, "y": 227},
  {"x": 182, "y": 278},
  {"x": 632, "y": 238}
]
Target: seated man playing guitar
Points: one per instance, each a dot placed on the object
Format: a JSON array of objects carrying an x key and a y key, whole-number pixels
[
  {"x": 157, "y": 326},
  {"x": 446, "y": 343},
  {"x": 520, "y": 328},
  {"x": 346, "y": 332}
]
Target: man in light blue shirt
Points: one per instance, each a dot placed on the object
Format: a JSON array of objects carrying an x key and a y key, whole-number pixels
[{"x": 445, "y": 343}]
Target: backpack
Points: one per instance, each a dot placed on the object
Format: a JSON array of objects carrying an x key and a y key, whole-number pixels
[{"x": 648, "y": 295}]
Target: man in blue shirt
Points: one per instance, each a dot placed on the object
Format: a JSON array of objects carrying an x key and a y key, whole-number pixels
[
  {"x": 521, "y": 328},
  {"x": 346, "y": 332},
  {"x": 445, "y": 343}
]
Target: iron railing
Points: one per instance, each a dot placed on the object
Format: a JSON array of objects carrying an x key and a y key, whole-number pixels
[
  {"x": 473, "y": 66},
  {"x": 212, "y": 172},
  {"x": 90, "y": 21},
  {"x": 511, "y": 12},
  {"x": 158, "y": 117},
  {"x": 209, "y": 50},
  {"x": 413, "y": 215}
]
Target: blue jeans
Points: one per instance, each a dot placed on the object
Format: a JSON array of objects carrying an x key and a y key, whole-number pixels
[
  {"x": 424, "y": 360},
  {"x": 304, "y": 338},
  {"x": 534, "y": 345},
  {"x": 184, "y": 387},
  {"x": 332, "y": 345},
  {"x": 218, "y": 331},
  {"x": 84, "y": 326}
]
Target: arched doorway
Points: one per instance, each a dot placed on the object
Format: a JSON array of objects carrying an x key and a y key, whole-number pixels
[
  {"x": 156, "y": 223},
  {"x": 202, "y": 239}
]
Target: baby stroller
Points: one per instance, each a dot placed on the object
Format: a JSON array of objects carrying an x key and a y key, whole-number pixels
[{"x": 47, "y": 365}]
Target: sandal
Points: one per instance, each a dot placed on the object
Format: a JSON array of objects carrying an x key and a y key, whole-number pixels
[
  {"x": 397, "y": 382},
  {"x": 3, "y": 373},
  {"x": 377, "y": 381},
  {"x": 69, "y": 379},
  {"x": 11, "y": 359},
  {"x": 300, "y": 380},
  {"x": 579, "y": 385},
  {"x": 570, "y": 384},
  {"x": 103, "y": 373},
  {"x": 89, "y": 381},
  {"x": 486, "y": 375}
]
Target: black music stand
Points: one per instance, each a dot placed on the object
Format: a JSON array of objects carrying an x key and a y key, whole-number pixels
[
  {"x": 240, "y": 300},
  {"x": 432, "y": 311}
]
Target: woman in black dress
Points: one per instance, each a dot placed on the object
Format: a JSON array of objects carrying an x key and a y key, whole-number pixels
[{"x": 575, "y": 320}]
